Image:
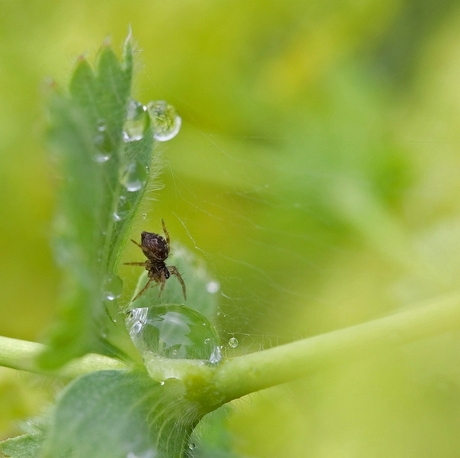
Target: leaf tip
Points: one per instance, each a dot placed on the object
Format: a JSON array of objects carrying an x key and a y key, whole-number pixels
[{"x": 107, "y": 42}]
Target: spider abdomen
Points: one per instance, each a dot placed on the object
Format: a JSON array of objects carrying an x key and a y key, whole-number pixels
[{"x": 154, "y": 246}]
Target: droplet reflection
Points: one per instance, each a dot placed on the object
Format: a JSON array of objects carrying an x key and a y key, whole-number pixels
[{"x": 165, "y": 119}]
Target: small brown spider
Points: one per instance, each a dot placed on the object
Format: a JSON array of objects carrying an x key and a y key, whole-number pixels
[{"x": 156, "y": 250}]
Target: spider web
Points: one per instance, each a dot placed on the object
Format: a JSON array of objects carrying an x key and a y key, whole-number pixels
[
  {"x": 304, "y": 227},
  {"x": 226, "y": 200}
]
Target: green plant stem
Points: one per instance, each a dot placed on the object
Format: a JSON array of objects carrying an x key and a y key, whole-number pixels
[
  {"x": 246, "y": 374},
  {"x": 249, "y": 373},
  {"x": 21, "y": 355}
]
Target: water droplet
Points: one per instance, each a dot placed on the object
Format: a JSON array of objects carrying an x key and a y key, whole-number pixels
[
  {"x": 212, "y": 287},
  {"x": 101, "y": 157},
  {"x": 134, "y": 176},
  {"x": 166, "y": 121},
  {"x": 101, "y": 126},
  {"x": 216, "y": 355},
  {"x": 143, "y": 454},
  {"x": 137, "y": 121},
  {"x": 102, "y": 141},
  {"x": 233, "y": 342},
  {"x": 123, "y": 207},
  {"x": 112, "y": 287},
  {"x": 173, "y": 331},
  {"x": 144, "y": 215}
]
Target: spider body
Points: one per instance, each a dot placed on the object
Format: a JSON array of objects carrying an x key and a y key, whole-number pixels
[{"x": 156, "y": 250}]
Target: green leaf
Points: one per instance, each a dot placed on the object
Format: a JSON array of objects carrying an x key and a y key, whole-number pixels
[
  {"x": 25, "y": 446},
  {"x": 202, "y": 289},
  {"x": 103, "y": 176},
  {"x": 115, "y": 415}
]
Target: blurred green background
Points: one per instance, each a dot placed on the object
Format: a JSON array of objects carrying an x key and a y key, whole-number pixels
[{"x": 317, "y": 173}]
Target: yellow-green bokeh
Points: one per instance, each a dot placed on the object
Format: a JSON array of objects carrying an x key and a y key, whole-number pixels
[{"x": 316, "y": 172}]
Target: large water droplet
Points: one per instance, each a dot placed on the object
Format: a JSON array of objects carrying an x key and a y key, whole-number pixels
[
  {"x": 136, "y": 123},
  {"x": 165, "y": 119},
  {"x": 173, "y": 331},
  {"x": 134, "y": 176},
  {"x": 112, "y": 287}
]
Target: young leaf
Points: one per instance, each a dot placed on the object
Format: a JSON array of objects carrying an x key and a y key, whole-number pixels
[
  {"x": 113, "y": 414},
  {"x": 102, "y": 143}
]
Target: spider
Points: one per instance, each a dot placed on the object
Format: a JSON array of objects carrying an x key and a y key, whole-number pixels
[{"x": 156, "y": 249}]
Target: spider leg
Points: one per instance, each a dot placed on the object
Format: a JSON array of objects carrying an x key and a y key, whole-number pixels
[
  {"x": 173, "y": 271},
  {"x": 162, "y": 282},
  {"x": 165, "y": 232},
  {"x": 135, "y": 243},
  {"x": 143, "y": 289},
  {"x": 143, "y": 264},
  {"x": 141, "y": 247}
]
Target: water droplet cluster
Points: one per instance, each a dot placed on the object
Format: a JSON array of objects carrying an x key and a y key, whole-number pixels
[
  {"x": 162, "y": 117},
  {"x": 173, "y": 331}
]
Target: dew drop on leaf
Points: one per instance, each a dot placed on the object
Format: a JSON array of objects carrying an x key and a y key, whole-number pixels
[
  {"x": 134, "y": 176},
  {"x": 122, "y": 209},
  {"x": 102, "y": 142},
  {"x": 173, "y": 331},
  {"x": 136, "y": 123},
  {"x": 101, "y": 126},
  {"x": 101, "y": 157},
  {"x": 112, "y": 287},
  {"x": 165, "y": 119}
]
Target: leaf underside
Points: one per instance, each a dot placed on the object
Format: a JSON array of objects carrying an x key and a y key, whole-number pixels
[{"x": 112, "y": 414}]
